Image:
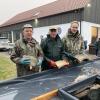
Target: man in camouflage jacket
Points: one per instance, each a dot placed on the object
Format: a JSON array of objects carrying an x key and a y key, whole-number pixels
[
  {"x": 24, "y": 49},
  {"x": 73, "y": 41}
]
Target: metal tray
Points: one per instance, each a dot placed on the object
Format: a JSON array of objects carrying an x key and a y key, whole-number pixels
[{"x": 70, "y": 92}]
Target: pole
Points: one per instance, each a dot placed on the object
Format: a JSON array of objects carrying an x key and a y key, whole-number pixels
[{"x": 80, "y": 19}]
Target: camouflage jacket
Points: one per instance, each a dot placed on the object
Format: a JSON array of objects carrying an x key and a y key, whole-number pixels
[
  {"x": 23, "y": 48},
  {"x": 73, "y": 43}
]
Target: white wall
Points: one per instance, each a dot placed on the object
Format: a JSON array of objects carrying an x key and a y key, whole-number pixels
[{"x": 86, "y": 31}]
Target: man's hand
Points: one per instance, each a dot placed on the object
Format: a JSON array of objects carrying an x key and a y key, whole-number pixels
[
  {"x": 24, "y": 61},
  {"x": 52, "y": 63},
  {"x": 40, "y": 59}
]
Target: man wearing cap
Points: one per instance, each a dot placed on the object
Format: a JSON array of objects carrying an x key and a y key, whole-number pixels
[
  {"x": 25, "y": 49},
  {"x": 52, "y": 47}
]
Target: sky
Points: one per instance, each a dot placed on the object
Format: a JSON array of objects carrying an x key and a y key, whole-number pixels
[{"x": 9, "y": 8}]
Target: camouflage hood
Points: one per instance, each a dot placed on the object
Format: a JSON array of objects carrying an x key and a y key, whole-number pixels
[
  {"x": 73, "y": 35},
  {"x": 32, "y": 42}
]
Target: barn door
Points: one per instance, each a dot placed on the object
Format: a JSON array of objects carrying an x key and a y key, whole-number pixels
[{"x": 94, "y": 34}]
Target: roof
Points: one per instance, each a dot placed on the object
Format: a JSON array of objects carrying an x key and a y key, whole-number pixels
[{"x": 56, "y": 7}]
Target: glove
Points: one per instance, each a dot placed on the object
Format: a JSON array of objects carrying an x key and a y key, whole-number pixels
[
  {"x": 40, "y": 59},
  {"x": 25, "y": 61},
  {"x": 71, "y": 58},
  {"x": 52, "y": 63}
]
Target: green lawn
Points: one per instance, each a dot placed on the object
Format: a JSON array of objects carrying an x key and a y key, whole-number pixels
[{"x": 7, "y": 67}]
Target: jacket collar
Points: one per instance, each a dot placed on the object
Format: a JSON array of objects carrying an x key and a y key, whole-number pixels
[
  {"x": 73, "y": 35},
  {"x": 31, "y": 41}
]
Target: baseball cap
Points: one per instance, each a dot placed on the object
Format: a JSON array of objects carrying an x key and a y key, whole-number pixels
[{"x": 53, "y": 27}]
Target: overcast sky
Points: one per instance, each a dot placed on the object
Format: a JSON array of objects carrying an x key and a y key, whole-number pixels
[{"x": 9, "y": 8}]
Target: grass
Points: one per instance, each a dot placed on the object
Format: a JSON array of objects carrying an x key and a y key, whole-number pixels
[{"x": 7, "y": 67}]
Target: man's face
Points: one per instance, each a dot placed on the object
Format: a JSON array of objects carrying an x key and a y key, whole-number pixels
[
  {"x": 27, "y": 33},
  {"x": 53, "y": 33},
  {"x": 74, "y": 27}
]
